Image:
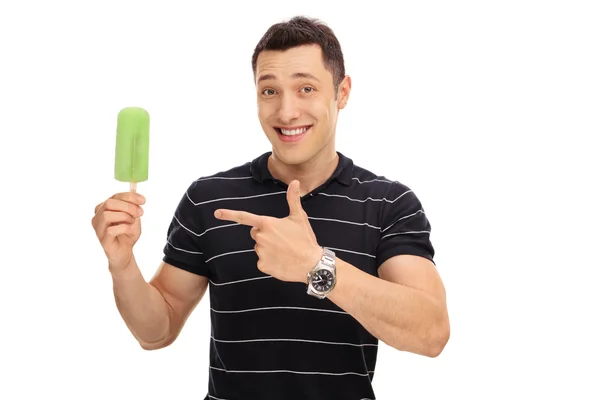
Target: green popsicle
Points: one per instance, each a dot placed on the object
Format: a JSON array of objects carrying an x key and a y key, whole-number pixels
[{"x": 133, "y": 146}]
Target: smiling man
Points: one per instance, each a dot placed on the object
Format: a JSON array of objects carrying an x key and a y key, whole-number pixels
[{"x": 311, "y": 260}]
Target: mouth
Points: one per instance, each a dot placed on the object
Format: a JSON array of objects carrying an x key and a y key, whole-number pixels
[{"x": 292, "y": 134}]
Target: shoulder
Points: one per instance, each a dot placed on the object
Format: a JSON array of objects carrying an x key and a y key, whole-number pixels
[
  {"x": 230, "y": 182},
  {"x": 380, "y": 185}
]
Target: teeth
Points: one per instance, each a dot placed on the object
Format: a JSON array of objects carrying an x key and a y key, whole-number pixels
[{"x": 293, "y": 131}]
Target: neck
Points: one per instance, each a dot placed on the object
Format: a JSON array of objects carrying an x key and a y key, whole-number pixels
[{"x": 311, "y": 174}]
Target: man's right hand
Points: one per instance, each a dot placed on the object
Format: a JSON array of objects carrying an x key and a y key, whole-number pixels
[{"x": 117, "y": 225}]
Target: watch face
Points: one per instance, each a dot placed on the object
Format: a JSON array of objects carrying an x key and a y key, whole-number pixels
[{"x": 322, "y": 280}]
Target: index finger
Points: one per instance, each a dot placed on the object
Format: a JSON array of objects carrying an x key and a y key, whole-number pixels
[
  {"x": 128, "y": 197},
  {"x": 241, "y": 217}
]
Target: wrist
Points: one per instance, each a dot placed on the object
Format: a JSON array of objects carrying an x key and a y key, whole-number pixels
[
  {"x": 127, "y": 272},
  {"x": 314, "y": 256}
]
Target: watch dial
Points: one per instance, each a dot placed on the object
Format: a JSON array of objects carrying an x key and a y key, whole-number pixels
[{"x": 322, "y": 280}]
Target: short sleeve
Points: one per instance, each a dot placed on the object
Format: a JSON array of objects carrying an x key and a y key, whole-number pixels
[
  {"x": 183, "y": 248},
  {"x": 405, "y": 228}
]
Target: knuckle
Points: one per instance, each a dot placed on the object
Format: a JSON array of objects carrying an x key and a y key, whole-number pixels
[
  {"x": 111, "y": 203},
  {"x": 119, "y": 195},
  {"x": 104, "y": 217},
  {"x": 132, "y": 209}
]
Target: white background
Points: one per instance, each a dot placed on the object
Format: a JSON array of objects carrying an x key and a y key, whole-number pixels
[{"x": 488, "y": 110}]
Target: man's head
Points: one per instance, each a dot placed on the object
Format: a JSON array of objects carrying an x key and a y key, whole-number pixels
[{"x": 301, "y": 85}]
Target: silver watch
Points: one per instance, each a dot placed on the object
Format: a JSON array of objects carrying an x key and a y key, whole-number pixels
[{"x": 321, "y": 279}]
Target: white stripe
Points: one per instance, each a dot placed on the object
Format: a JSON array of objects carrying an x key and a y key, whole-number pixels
[
  {"x": 404, "y": 233},
  {"x": 367, "y": 199},
  {"x": 350, "y": 251},
  {"x": 292, "y": 372},
  {"x": 345, "y": 222},
  {"x": 400, "y": 219},
  {"x": 294, "y": 340},
  {"x": 226, "y": 254},
  {"x": 222, "y": 177},
  {"x": 277, "y": 308},
  {"x": 218, "y": 398},
  {"x": 315, "y": 218},
  {"x": 332, "y": 248},
  {"x": 232, "y": 198},
  {"x": 240, "y": 281},
  {"x": 184, "y": 250},
  {"x": 373, "y": 180},
  {"x": 200, "y": 234}
]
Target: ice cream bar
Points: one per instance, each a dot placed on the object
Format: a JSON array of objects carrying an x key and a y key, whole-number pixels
[{"x": 133, "y": 146}]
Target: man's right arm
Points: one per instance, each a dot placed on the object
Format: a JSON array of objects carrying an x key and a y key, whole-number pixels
[{"x": 156, "y": 311}]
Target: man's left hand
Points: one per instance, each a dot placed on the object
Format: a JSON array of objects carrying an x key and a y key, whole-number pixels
[{"x": 287, "y": 248}]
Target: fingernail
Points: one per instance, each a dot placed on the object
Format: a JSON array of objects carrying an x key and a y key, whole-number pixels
[
  {"x": 218, "y": 214},
  {"x": 141, "y": 198}
]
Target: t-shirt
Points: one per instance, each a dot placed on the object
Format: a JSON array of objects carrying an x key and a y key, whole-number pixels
[{"x": 269, "y": 338}]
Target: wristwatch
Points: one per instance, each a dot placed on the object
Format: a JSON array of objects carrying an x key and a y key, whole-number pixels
[{"x": 321, "y": 279}]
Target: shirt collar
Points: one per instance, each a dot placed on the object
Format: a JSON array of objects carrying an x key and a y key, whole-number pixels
[{"x": 343, "y": 172}]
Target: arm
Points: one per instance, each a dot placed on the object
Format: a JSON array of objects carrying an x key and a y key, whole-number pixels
[
  {"x": 155, "y": 312},
  {"x": 406, "y": 308}
]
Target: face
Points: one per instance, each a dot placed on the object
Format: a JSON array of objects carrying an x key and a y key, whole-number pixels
[{"x": 297, "y": 104}]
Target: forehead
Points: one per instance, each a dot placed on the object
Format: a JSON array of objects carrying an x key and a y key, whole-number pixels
[{"x": 284, "y": 64}]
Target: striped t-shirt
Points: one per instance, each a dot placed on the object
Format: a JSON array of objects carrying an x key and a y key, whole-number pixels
[{"x": 269, "y": 338}]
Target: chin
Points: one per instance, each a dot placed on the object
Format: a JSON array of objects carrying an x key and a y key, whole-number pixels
[{"x": 292, "y": 156}]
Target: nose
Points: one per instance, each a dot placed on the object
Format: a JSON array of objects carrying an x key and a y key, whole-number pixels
[{"x": 289, "y": 109}]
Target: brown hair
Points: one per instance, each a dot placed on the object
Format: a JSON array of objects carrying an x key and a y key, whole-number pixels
[{"x": 300, "y": 31}]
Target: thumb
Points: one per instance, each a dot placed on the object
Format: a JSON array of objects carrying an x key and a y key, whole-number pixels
[{"x": 293, "y": 198}]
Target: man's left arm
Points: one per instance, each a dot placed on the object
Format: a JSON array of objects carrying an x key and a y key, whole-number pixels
[{"x": 405, "y": 307}]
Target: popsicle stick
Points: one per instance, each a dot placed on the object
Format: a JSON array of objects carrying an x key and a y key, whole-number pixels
[{"x": 132, "y": 187}]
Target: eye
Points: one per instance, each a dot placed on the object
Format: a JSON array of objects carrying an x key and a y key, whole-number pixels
[
  {"x": 268, "y": 92},
  {"x": 307, "y": 89}
]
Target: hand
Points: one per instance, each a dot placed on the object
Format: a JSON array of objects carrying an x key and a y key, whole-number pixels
[
  {"x": 117, "y": 225},
  {"x": 287, "y": 248}
]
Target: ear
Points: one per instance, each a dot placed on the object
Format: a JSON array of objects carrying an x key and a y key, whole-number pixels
[{"x": 344, "y": 92}]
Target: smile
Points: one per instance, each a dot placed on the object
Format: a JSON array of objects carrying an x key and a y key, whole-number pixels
[
  {"x": 293, "y": 134},
  {"x": 292, "y": 131}
]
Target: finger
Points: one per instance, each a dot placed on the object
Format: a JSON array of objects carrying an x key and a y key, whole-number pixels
[
  {"x": 260, "y": 266},
  {"x": 293, "y": 198},
  {"x": 241, "y": 217},
  {"x": 253, "y": 233},
  {"x": 117, "y": 230},
  {"x": 122, "y": 206},
  {"x": 258, "y": 250},
  {"x": 98, "y": 208},
  {"x": 109, "y": 218},
  {"x": 129, "y": 197}
]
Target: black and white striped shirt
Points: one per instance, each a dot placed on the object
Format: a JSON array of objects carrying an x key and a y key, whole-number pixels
[{"x": 269, "y": 338}]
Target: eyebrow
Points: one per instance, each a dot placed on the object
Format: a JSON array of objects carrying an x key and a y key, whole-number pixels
[{"x": 297, "y": 75}]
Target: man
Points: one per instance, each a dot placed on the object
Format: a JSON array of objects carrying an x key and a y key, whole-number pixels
[{"x": 310, "y": 259}]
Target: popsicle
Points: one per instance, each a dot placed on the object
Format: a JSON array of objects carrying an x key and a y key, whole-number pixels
[{"x": 133, "y": 146}]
